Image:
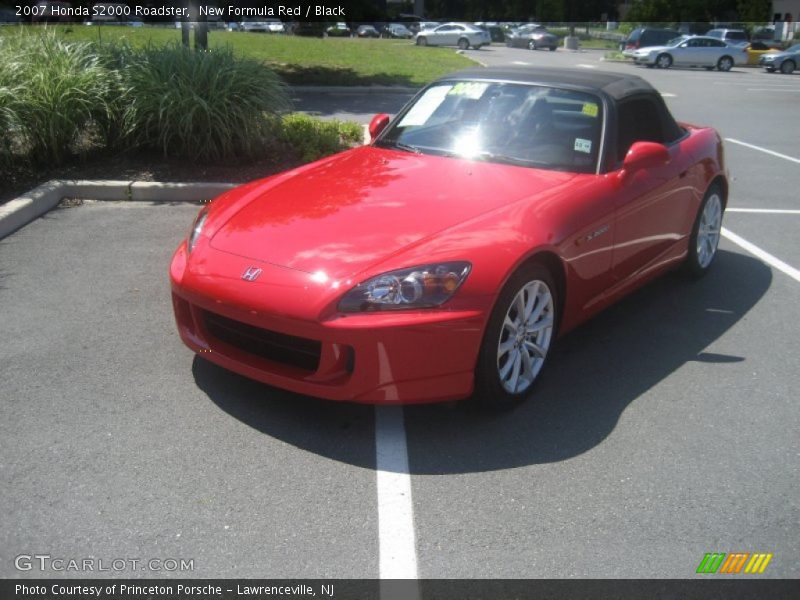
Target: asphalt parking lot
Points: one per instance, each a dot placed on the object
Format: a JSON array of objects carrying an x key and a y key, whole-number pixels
[{"x": 663, "y": 429}]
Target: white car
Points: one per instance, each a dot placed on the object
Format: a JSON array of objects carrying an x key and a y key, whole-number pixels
[
  {"x": 462, "y": 35},
  {"x": 259, "y": 24},
  {"x": 692, "y": 51}
]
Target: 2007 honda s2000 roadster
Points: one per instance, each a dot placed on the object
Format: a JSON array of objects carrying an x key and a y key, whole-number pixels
[{"x": 497, "y": 210}]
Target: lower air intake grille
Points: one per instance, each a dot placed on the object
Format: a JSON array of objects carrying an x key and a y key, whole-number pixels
[{"x": 277, "y": 347}]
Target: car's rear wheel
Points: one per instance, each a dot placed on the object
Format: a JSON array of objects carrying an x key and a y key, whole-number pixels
[
  {"x": 422, "y": 41},
  {"x": 553, "y": 48},
  {"x": 518, "y": 338},
  {"x": 725, "y": 63},
  {"x": 664, "y": 61},
  {"x": 704, "y": 240},
  {"x": 463, "y": 44},
  {"x": 787, "y": 67}
]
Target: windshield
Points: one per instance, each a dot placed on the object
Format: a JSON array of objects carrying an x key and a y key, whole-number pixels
[{"x": 508, "y": 123}]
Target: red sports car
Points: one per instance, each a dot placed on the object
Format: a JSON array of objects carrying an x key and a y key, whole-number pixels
[{"x": 496, "y": 211}]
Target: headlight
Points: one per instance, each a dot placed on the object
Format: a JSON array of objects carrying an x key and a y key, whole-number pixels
[
  {"x": 416, "y": 287},
  {"x": 195, "y": 232}
]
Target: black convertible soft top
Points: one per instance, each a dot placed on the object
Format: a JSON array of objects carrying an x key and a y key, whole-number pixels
[{"x": 615, "y": 85}]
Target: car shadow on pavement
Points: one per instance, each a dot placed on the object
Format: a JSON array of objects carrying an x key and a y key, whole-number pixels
[{"x": 594, "y": 374}]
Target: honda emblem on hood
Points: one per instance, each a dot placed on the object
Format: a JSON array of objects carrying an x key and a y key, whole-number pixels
[{"x": 251, "y": 274}]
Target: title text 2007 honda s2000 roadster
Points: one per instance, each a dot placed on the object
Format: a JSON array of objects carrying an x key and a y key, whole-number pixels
[{"x": 497, "y": 210}]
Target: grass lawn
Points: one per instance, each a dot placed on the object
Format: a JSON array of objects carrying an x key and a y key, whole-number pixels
[{"x": 303, "y": 60}]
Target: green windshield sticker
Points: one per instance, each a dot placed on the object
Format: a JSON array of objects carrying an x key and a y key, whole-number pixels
[
  {"x": 590, "y": 108},
  {"x": 469, "y": 89}
]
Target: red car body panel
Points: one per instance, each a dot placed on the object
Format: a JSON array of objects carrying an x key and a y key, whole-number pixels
[{"x": 317, "y": 231}]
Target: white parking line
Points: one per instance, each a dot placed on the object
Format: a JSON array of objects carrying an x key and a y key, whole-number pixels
[
  {"x": 398, "y": 554},
  {"x": 766, "y": 211},
  {"x": 667, "y": 95},
  {"x": 795, "y": 91},
  {"x": 520, "y": 62},
  {"x": 765, "y": 150},
  {"x": 765, "y": 256},
  {"x": 585, "y": 66}
]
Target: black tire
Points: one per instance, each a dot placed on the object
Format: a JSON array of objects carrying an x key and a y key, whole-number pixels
[
  {"x": 788, "y": 67},
  {"x": 463, "y": 44},
  {"x": 725, "y": 64},
  {"x": 695, "y": 264},
  {"x": 422, "y": 41},
  {"x": 553, "y": 48},
  {"x": 663, "y": 61},
  {"x": 531, "y": 45},
  {"x": 490, "y": 389}
]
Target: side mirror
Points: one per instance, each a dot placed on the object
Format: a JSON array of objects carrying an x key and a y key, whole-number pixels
[
  {"x": 378, "y": 124},
  {"x": 642, "y": 155},
  {"x": 645, "y": 155}
]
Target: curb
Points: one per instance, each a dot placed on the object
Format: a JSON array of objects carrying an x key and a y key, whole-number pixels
[{"x": 19, "y": 212}]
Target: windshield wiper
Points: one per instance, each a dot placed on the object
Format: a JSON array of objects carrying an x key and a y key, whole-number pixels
[
  {"x": 407, "y": 147},
  {"x": 507, "y": 159}
]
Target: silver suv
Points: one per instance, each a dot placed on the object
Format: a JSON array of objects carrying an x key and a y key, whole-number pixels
[{"x": 735, "y": 37}]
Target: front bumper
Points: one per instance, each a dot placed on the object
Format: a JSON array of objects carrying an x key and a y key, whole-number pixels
[{"x": 380, "y": 358}]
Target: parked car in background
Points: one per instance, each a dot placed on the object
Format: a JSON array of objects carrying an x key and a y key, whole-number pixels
[
  {"x": 462, "y": 35},
  {"x": 261, "y": 24},
  {"x": 692, "y": 51},
  {"x": 367, "y": 31},
  {"x": 338, "y": 30},
  {"x": 497, "y": 211},
  {"x": 532, "y": 36},
  {"x": 734, "y": 37},
  {"x": 766, "y": 36},
  {"x": 397, "y": 31},
  {"x": 644, "y": 37},
  {"x": 785, "y": 62}
]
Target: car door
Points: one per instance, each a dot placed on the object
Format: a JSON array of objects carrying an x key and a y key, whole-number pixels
[
  {"x": 443, "y": 35},
  {"x": 716, "y": 50},
  {"x": 652, "y": 204},
  {"x": 688, "y": 53}
]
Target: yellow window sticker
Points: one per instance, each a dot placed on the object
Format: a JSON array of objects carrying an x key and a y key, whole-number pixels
[
  {"x": 590, "y": 108},
  {"x": 469, "y": 89}
]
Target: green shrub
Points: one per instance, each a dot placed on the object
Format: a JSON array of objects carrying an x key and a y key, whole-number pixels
[
  {"x": 311, "y": 138},
  {"x": 52, "y": 93},
  {"x": 201, "y": 105}
]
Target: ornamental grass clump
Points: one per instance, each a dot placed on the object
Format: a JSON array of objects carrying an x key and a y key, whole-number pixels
[
  {"x": 53, "y": 93},
  {"x": 201, "y": 105}
]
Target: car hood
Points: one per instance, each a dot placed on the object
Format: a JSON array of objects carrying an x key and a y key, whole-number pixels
[{"x": 343, "y": 214}]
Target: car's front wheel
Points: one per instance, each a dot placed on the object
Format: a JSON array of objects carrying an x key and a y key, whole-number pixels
[
  {"x": 531, "y": 45},
  {"x": 553, "y": 48},
  {"x": 787, "y": 67},
  {"x": 422, "y": 41},
  {"x": 518, "y": 338},
  {"x": 704, "y": 240},
  {"x": 725, "y": 63},
  {"x": 664, "y": 61}
]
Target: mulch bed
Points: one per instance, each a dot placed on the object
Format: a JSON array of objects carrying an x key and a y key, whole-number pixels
[{"x": 141, "y": 167}]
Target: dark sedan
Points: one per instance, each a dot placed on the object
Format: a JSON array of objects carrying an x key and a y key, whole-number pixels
[
  {"x": 533, "y": 37},
  {"x": 785, "y": 62}
]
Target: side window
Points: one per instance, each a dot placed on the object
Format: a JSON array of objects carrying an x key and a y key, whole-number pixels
[
  {"x": 716, "y": 43},
  {"x": 639, "y": 120}
]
